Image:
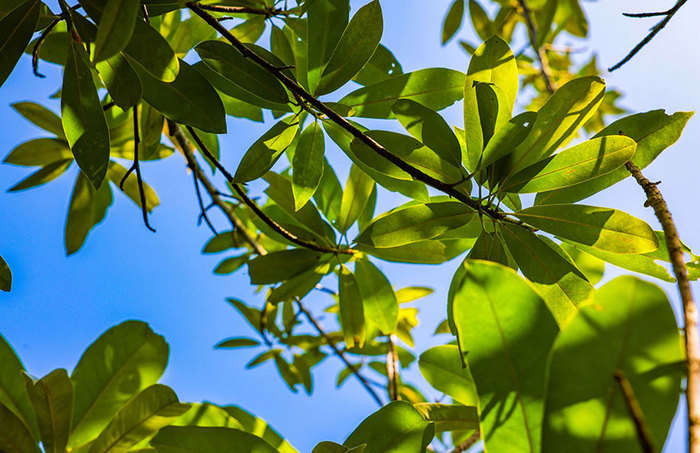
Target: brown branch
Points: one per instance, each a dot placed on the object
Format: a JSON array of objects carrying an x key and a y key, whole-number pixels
[
  {"x": 268, "y": 12},
  {"x": 256, "y": 209},
  {"x": 654, "y": 31},
  {"x": 469, "y": 443},
  {"x": 392, "y": 370},
  {"x": 39, "y": 43},
  {"x": 176, "y": 134},
  {"x": 675, "y": 251},
  {"x": 297, "y": 90},
  {"x": 640, "y": 424},
  {"x": 541, "y": 55},
  {"x": 136, "y": 167}
]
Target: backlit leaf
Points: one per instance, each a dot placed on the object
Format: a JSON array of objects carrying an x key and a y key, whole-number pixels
[
  {"x": 453, "y": 20},
  {"x": 352, "y": 316},
  {"x": 378, "y": 298},
  {"x": 198, "y": 439},
  {"x": 308, "y": 164},
  {"x": 52, "y": 398},
  {"x": 263, "y": 154},
  {"x": 16, "y": 30},
  {"x": 442, "y": 367}
]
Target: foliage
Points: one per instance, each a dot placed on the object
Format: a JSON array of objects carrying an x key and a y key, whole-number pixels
[{"x": 537, "y": 344}]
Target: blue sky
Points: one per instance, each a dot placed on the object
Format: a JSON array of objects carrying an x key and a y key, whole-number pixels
[{"x": 58, "y": 305}]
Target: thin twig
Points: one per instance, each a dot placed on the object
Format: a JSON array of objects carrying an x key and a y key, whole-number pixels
[
  {"x": 469, "y": 443},
  {"x": 203, "y": 214},
  {"x": 392, "y": 370},
  {"x": 270, "y": 12},
  {"x": 135, "y": 167},
  {"x": 654, "y": 31},
  {"x": 541, "y": 55},
  {"x": 296, "y": 89},
  {"x": 640, "y": 424},
  {"x": 39, "y": 43},
  {"x": 253, "y": 206},
  {"x": 675, "y": 251}
]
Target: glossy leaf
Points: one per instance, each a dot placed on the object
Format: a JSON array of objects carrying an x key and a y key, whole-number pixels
[
  {"x": 421, "y": 252},
  {"x": 198, "y": 439},
  {"x": 41, "y": 117},
  {"x": 263, "y": 154},
  {"x": 603, "y": 228},
  {"x": 442, "y": 367},
  {"x": 5, "y": 276},
  {"x": 121, "y": 80},
  {"x": 308, "y": 164},
  {"x": 243, "y": 72},
  {"x": 283, "y": 265},
  {"x": 507, "y": 137},
  {"x": 16, "y": 30},
  {"x": 327, "y": 20},
  {"x": 557, "y": 281},
  {"x": 577, "y": 164},
  {"x": 153, "y": 53},
  {"x": 449, "y": 417},
  {"x": 83, "y": 119},
  {"x": 414, "y": 223},
  {"x": 359, "y": 41},
  {"x": 121, "y": 363},
  {"x": 352, "y": 316},
  {"x": 453, "y": 20},
  {"x": 653, "y": 131},
  {"x": 490, "y": 247},
  {"x": 382, "y": 66},
  {"x": 506, "y": 330},
  {"x": 429, "y": 128},
  {"x": 39, "y": 152},
  {"x": 395, "y": 428},
  {"x": 629, "y": 326},
  {"x": 189, "y": 99},
  {"x": 435, "y": 88},
  {"x": 378, "y": 299},
  {"x": 115, "y": 28},
  {"x": 355, "y": 196},
  {"x": 590, "y": 266},
  {"x": 87, "y": 208},
  {"x": 331, "y": 447}
]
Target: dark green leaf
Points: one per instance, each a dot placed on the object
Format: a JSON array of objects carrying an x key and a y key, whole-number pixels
[
  {"x": 83, "y": 119},
  {"x": 506, "y": 331},
  {"x": 153, "y": 53},
  {"x": 308, "y": 164},
  {"x": 220, "y": 242},
  {"x": 332, "y": 447},
  {"x": 87, "y": 208},
  {"x": 378, "y": 299},
  {"x": 352, "y": 316},
  {"x": 115, "y": 28},
  {"x": 442, "y": 367},
  {"x": 453, "y": 20},
  {"x": 355, "y": 196},
  {"x": 121, "y": 363},
  {"x": 198, "y": 439},
  {"x": 327, "y": 20},
  {"x": 630, "y": 327},
  {"x": 263, "y": 154},
  {"x": 280, "y": 266},
  {"x": 359, "y": 41},
  {"x": 189, "y": 99},
  {"x": 259, "y": 427},
  {"x": 395, "y": 428},
  {"x": 5, "y": 276},
  {"x": 121, "y": 81},
  {"x": 490, "y": 247},
  {"x": 40, "y": 116},
  {"x": 237, "y": 342},
  {"x": 14, "y": 399},
  {"x": 435, "y": 88},
  {"x": 231, "y": 265},
  {"x": 16, "y": 30},
  {"x": 14, "y": 434},
  {"x": 52, "y": 398}
]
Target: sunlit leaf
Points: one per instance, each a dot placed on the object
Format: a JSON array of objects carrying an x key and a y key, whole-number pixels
[
  {"x": 198, "y": 439},
  {"x": 308, "y": 164},
  {"x": 263, "y": 154},
  {"x": 453, "y": 20},
  {"x": 378, "y": 298},
  {"x": 442, "y": 367},
  {"x": 352, "y": 316}
]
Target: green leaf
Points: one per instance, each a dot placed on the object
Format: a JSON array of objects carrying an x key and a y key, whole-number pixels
[
  {"x": 116, "y": 173},
  {"x": 153, "y": 408},
  {"x": 411, "y": 293},
  {"x": 490, "y": 247},
  {"x": 557, "y": 121},
  {"x": 378, "y": 299},
  {"x": 355, "y": 48},
  {"x": 442, "y": 367},
  {"x": 115, "y": 28},
  {"x": 16, "y": 30},
  {"x": 629, "y": 326},
  {"x": 506, "y": 330},
  {"x": 283, "y": 265},
  {"x": 382, "y": 66},
  {"x": 327, "y": 20},
  {"x": 189, "y": 99},
  {"x": 83, "y": 118},
  {"x": 603, "y": 228},
  {"x": 494, "y": 62},
  {"x": 122, "y": 362},
  {"x": 120, "y": 79},
  {"x": 189, "y": 33},
  {"x": 653, "y": 131},
  {"x": 5, "y": 276},
  {"x": 87, "y": 208},
  {"x": 480, "y": 20},
  {"x": 198, "y": 439},
  {"x": 307, "y": 164},
  {"x": 414, "y": 223},
  {"x": 231, "y": 265},
  {"x": 153, "y": 53},
  {"x": 43, "y": 175},
  {"x": 355, "y": 196},
  {"x": 298, "y": 286},
  {"x": 429, "y": 128},
  {"x": 39, "y": 152},
  {"x": 237, "y": 342},
  {"x": 221, "y": 242},
  {"x": 328, "y": 195},
  {"x": 590, "y": 266},
  {"x": 206, "y": 414},
  {"x": 352, "y": 316},
  {"x": 558, "y": 282},
  {"x": 14, "y": 434},
  {"x": 395, "y": 428},
  {"x": 52, "y": 399},
  {"x": 572, "y": 166},
  {"x": 449, "y": 417},
  {"x": 41, "y": 117},
  {"x": 435, "y": 88},
  {"x": 505, "y": 139},
  {"x": 331, "y": 447},
  {"x": 421, "y": 252},
  {"x": 241, "y": 71},
  {"x": 13, "y": 394},
  {"x": 263, "y": 154},
  {"x": 259, "y": 427},
  {"x": 453, "y": 20}
]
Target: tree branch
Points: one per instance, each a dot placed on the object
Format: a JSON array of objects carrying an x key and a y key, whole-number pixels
[
  {"x": 654, "y": 31},
  {"x": 643, "y": 434},
  {"x": 675, "y": 251},
  {"x": 269, "y": 12},
  {"x": 392, "y": 370},
  {"x": 136, "y": 167},
  {"x": 469, "y": 443},
  {"x": 541, "y": 55}
]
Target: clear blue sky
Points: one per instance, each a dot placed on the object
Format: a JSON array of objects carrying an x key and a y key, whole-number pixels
[{"x": 58, "y": 305}]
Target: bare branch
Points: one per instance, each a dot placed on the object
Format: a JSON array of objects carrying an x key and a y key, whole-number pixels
[
  {"x": 469, "y": 443},
  {"x": 392, "y": 370},
  {"x": 643, "y": 433},
  {"x": 136, "y": 167},
  {"x": 268, "y": 12},
  {"x": 541, "y": 55}
]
